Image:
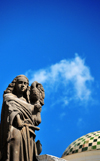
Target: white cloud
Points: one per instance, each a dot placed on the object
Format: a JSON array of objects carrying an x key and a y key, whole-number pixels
[
  {"x": 81, "y": 123},
  {"x": 68, "y": 79}
]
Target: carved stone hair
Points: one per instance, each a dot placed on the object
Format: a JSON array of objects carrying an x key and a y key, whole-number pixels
[
  {"x": 11, "y": 86},
  {"x": 38, "y": 92},
  {"x": 42, "y": 94}
]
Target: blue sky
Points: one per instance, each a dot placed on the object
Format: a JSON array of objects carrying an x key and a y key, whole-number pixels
[{"x": 57, "y": 43}]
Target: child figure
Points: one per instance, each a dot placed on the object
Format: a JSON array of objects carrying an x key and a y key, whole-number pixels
[{"x": 37, "y": 99}]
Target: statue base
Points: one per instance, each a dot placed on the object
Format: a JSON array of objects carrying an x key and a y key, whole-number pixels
[{"x": 46, "y": 157}]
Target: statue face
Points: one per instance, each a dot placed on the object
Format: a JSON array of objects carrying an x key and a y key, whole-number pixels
[
  {"x": 34, "y": 92},
  {"x": 21, "y": 84}
]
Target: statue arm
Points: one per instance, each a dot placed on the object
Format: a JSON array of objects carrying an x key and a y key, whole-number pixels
[
  {"x": 15, "y": 117},
  {"x": 37, "y": 116},
  {"x": 20, "y": 122},
  {"x": 35, "y": 107}
]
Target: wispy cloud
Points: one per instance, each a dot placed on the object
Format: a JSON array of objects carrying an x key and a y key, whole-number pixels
[
  {"x": 62, "y": 115},
  {"x": 81, "y": 124},
  {"x": 69, "y": 79}
]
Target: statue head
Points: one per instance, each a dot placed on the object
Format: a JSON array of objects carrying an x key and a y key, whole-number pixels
[
  {"x": 21, "y": 84},
  {"x": 37, "y": 93},
  {"x": 18, "y": 85}
]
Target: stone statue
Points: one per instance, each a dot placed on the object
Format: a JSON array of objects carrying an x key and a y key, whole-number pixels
[{"x": 20, "y": 116}]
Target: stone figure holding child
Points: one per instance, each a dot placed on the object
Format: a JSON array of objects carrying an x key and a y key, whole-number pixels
[{"x": 20, "y": 116}]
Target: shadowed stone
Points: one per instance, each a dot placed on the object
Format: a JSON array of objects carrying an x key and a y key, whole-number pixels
[{"x": 20, "y": 116}]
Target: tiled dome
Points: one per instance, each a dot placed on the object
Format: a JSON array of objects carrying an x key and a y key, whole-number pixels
[{"x": 88, "y": 142}]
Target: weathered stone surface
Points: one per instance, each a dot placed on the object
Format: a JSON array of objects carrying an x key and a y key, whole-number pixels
[
  {"x": 20, "y": 116},
  {"x": 49, "y": 158}
]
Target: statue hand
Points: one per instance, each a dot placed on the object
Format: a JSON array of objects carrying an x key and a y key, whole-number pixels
[
  {"x": 20, "y": 123},
  {"x": 37, "y": 106}
]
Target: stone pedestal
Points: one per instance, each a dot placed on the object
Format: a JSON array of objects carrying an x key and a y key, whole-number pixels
[{"x": 49, "y": 158}]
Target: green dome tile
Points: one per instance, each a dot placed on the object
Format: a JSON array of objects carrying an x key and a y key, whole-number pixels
[{"x": 88, "y": 142}]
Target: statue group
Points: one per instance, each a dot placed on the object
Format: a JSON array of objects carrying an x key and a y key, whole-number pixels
[{"x": 20, "y": 117}]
